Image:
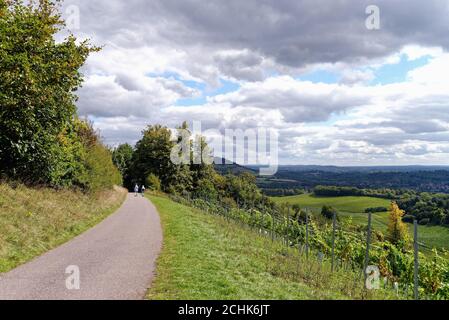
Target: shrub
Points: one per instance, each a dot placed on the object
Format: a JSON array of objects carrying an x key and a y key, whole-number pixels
[
  {"x": 91, "y": 167},
  {"x": 376, "y": 209},
  {"x": 424, "y": 221},
  {"x": 328, "y": 212},
  {"x": 408, "y": 218},
  {"x": 153, "y": 182},
  {"x": 397, "y": 230},
  {"x": 102, "y": 173}
]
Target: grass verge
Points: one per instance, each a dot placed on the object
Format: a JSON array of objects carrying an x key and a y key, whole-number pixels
[
  {"x": 206, "y": 257},
  {"x": 33, "y": 221}
]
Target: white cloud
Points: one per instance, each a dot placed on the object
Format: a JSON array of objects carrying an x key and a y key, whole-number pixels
[{"x": 265, "y": 46}]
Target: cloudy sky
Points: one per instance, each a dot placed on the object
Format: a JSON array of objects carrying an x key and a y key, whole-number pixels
[{"x": 335, "y": 91}]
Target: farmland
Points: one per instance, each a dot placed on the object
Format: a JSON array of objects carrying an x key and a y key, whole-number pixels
[{"x": 354, "y": 207}]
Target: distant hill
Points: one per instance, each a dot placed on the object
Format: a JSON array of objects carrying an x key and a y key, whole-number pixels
[
  {"x": 365, "y": 169},
  {"x": 224, "y": 166},
  {"x": 423, "y": 179}
]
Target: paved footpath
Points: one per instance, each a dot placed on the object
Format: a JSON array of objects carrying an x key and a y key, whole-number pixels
[{"x": 115, "y": 260}]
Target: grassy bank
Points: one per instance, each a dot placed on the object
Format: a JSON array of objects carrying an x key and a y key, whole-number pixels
[
  {"x": 354, "y": 207},
  {"x": 33, "y": 221},
  {"x": 206, "y": 257}
]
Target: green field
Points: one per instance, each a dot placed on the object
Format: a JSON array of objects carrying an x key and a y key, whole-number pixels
[
  {"x": 354, "y": 207},
  {"x": 206, "y": 257}
]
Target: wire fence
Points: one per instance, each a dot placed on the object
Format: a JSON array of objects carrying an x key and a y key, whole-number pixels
[{"x": 302, "y": 233}]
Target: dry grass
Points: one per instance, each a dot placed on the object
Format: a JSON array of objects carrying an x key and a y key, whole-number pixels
[{"x": 33, "y": 221}]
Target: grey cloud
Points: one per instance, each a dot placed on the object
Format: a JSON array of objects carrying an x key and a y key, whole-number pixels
[
  {"x": 293, "y": 33},
  {"x": 296, "y": 103},
  {"x": 242, "y": 65},
  {"x": 250, "y": 40}
]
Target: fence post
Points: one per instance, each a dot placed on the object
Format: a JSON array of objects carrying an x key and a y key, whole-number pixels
[
  {"x": 334, "y": 219},
  {"x": 416, "y": 247},
  {"x": 307, "y": 234},
  {"x": 368, "y": 240},
  {"x": 288, "y": 226},
  {"x": 272, "y": 227}
]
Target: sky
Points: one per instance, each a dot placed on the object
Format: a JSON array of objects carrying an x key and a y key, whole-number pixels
[{"x": 335, "y": 91}]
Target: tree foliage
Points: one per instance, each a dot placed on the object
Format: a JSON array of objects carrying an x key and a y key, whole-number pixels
[
  {"x": 153, "y": 183},
  {"x": 397, "y": 230},
  {"x": 42, "y": 141},
  {"x": 328, "y": 212}
]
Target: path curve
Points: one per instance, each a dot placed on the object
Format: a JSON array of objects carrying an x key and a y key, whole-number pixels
[{"x": 116, "y": 260}]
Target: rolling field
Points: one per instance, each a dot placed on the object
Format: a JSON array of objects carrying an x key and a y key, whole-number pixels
[{"x": 354, "y": 207}]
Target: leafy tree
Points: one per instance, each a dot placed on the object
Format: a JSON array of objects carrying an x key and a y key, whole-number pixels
[
  {"x": 99, "y": 171},
  {"x": 201, "y": 166},
  {"x": 152, "y": 155},
  {"x": 397, "y": 230},
  {"x": 122, "y": 157},
  {"x": 243, "y": 189},
  {"x": 38, "y": 78}
]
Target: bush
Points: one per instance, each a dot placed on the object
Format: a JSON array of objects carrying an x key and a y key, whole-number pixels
[
  {"x": 424, "y": 221},
  {"x": 328, "y": 212},
  {"x": 376, "y": 209},
  {"x": 153, "y": 182},
  {"x": 102, "y": 173},
  {"x": 408, "y": 218}
]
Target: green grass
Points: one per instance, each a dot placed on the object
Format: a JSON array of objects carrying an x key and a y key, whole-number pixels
[
  {"x": 354, "y": 207},
  {"x": 206, "y": 257},
  {"x": 343, "y": 204},
  {"x": 33, "y": 221}
]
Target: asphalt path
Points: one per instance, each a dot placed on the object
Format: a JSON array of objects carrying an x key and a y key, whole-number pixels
[{"x": 113, "y": 260}]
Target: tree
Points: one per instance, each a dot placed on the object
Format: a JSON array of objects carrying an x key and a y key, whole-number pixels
[
  {"x": 201, "y": 165},
  {"x": 38, "y": 78},
  {"x": 152, "y": 155},
  {"x": 243, "y": 189},
  {"x": 397, "y": 230},
  {"x": 122, "y": 157},
  {"x": 328, "y": 212}
]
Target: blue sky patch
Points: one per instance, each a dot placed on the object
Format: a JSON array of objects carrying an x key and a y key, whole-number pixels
[
  {"x": 225, "y": 87},
  {"x": 320, "y": 76},
  {"x": 394, "y": 73}
]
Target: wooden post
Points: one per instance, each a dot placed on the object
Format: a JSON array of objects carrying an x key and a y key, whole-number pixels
[
  {"x": 288, "y": 226},
  {"x": 368, "y": 240},
  {"x": 307, "y": 234},
  {"x": 334, "y": 219},
  {"x": 272, "y": 227},
  {"x": 416, "y": 269}
]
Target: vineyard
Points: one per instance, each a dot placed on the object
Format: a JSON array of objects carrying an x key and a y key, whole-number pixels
[
  {"x": 345, "y": 246},
  {"x": 355, "y": 208}
]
